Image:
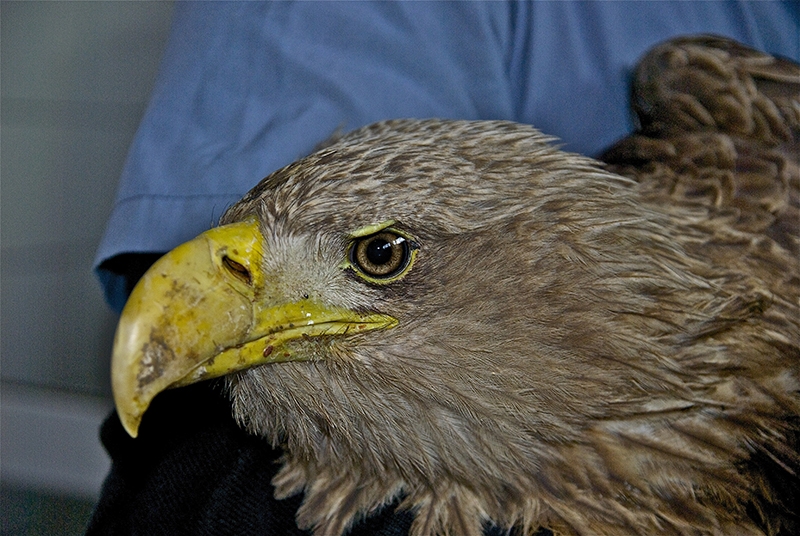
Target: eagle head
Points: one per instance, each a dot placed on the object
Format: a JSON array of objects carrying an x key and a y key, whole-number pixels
[{"x": 461, "y": 315}]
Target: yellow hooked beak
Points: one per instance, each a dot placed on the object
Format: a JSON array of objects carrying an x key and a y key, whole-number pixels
[{"x": 196, "y": 315}]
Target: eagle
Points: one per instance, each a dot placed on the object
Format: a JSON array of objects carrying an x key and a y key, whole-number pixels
[{"x": 460, "y": 318}]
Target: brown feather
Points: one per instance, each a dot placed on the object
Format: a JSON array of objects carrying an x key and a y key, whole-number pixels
[{"x": 575, "y": 350}]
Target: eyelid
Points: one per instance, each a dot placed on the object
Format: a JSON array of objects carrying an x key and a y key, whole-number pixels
[{"x": 372, "y": 229}]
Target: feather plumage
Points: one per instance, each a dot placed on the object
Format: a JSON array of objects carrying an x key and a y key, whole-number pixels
[
  {"x": 592, "y": 350},
  {"x": 570, "y": 353}
]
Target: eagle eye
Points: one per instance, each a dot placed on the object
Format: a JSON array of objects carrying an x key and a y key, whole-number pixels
[{"x": 383, "y": 256}]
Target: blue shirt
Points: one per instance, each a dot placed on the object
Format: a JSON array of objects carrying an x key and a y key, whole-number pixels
[{"x": 248, "y": 87}]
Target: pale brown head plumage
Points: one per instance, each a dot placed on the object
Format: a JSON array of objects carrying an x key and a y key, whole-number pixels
[{"x": 572, "y": 349}]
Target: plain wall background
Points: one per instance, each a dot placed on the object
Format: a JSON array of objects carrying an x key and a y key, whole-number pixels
[{"x": 74, "y": 82}]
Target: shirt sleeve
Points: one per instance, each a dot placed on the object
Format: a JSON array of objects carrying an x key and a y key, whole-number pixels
[{"x": 247, "y": 87}]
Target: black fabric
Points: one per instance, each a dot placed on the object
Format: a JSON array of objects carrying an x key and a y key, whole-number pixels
[{"x": 193, "y": 471}]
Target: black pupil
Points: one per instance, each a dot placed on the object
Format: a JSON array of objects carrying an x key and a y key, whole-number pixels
[{"x": 379, "y": 251}]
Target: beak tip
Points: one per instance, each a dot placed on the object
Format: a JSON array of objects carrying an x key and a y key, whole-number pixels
[
  {"x": 130, "y": 422},
  {"x": 133, "y": 430}
]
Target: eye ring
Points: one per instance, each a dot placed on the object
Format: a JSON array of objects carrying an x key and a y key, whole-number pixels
[{"x": 382, "y": 256}]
